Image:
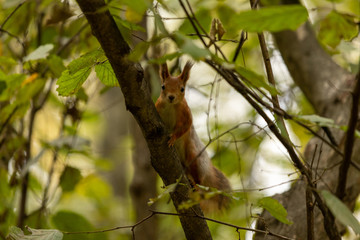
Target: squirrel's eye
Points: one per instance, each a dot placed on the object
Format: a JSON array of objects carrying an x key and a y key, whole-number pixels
[
  {"x": 163, "y": 87},
  {"x": 182, "y": 89}
]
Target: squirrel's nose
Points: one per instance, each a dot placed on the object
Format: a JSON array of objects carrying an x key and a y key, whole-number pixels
[{"x": 171, "y": 98}]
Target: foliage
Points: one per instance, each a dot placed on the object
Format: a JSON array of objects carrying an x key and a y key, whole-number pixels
[
  {"x": 340, "y": 211},
  {"x": 44, "y": 150},
  {"x": 39, "y": 234},
  {"x": 275, "y": 209}
]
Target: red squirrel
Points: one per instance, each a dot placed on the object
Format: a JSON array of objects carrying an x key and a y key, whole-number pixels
[{"x": 176, "y": 114}]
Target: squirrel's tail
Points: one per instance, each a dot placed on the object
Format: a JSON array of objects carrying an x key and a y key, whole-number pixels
[{"x": 216, "y": 179}]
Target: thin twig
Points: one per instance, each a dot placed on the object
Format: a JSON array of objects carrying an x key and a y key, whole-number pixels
[
  {"x": 153, "y": 213},
  {"x": 349, "y": 141},
  {"x": 132, "y": 227},
  {"x": 216, "y": 40},
  {"x": 12, "y": 13},
  {"x": 310, "y": 204},
  {"x": 243, "y": 38},
  {"x": 269, "y": 72},
  {"x": 269, "y": 233}
]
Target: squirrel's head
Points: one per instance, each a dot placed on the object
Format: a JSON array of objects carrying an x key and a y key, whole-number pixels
[{"x": 173, "y": 88}]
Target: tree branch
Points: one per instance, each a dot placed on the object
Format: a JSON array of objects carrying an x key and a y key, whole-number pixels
[
  {"x": 349, "y": 141},
  {"x": 138, "y": 101}
]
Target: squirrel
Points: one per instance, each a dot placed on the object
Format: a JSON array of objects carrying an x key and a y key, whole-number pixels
[{"x": 176, "y": 115}]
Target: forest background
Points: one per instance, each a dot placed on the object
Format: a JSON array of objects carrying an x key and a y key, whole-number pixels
[{"x": 74, "y": 160}]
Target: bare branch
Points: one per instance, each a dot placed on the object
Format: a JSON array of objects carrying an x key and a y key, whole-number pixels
[{"x": 349, "y": 141}]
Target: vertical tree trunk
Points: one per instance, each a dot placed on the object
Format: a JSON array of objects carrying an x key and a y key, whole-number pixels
[
  {"x": 138, "y": 101},
  {"x": 143, "y": 185}
]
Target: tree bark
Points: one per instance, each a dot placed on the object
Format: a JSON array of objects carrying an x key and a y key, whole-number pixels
[
  {"x": 143, "y": 185},
  {"x": 138, "y": 101},
  {"x": 328, "y": 88}
]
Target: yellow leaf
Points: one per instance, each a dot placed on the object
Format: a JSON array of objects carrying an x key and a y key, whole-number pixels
[
  {"x": 30, "y": 79},
  {"x": 133, "y": 16}
]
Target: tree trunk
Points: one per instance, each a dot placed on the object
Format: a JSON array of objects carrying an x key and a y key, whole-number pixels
[
  {"x": 143, "y": 185},
  {"x": 138, "y": 101}
]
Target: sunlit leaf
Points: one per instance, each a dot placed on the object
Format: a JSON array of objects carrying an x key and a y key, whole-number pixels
[
  {"x": 275, "y": 209},
  {"x": 133, "y": 16},
  {"x": 36, "y": 234},
  {"x": 106, "y": 74},
  {"x": 71, "y": 83},
  {"x": 11, "y": 3},
  {"x": 39, "y": 53},
  {"x": 159, "y": 24},
  {"x": 86, "y": 61},
  {"x": 271, "y": 18},
  {"x": 336, "y": 27},
  {"x": 168, "y": 189},
  {"x": 139, "y": 6},
  {"x": 95, "y": 188},
  {"x": 340, "y": 211},
  {"x": 318, "y": 120}
]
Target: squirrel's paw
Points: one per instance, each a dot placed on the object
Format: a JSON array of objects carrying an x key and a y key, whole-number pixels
[{"x": 171, "y": 141}]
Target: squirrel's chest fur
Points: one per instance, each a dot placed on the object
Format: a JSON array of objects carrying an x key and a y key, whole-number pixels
[{"x": 168, "y": 115}]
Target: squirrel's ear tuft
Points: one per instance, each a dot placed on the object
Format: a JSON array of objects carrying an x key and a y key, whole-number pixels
[
  {"x": 186, "y": 71},
  {"x": 164, "y": 72}
]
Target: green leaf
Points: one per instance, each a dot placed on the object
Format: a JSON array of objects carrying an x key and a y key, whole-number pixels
[
  {"x": 129, "y": 25},
  {"x": 168, "y": 189},
  {"x": 159, "y": 24},
  {"x": 139, "y": 51},
  {"x": 71, "y": 221},
  {"x": 256, "y": 80},
  {"x": 13, "y": 83},
  {"x": 106, "y": 74},
  {"x": 71, "y": 83},
  {"x": 187, "y": 46},
  {"x": 7, "y": 61},
  {"x": 166, "y": 57},
  {"x": 139, "y": 6},
  {"x": 272, "y": 18},
  {"x": 275, "y": 209},
  {"x": 336, "y": 27},
  {"x": 36, "y": 234},
  {"x": 56, "y": 65},
  {"x": 86, "y": 61},
  {"x": 340, "y": 211},
  {"x": 318, "y": 120},
  {"x": 6, "y": 192},
  {"x": 39, "y": 53},
  {"x": 3, "y": 86},
  {"x": 69, "y": 178},
  {"x": 204, "y": 17}
]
